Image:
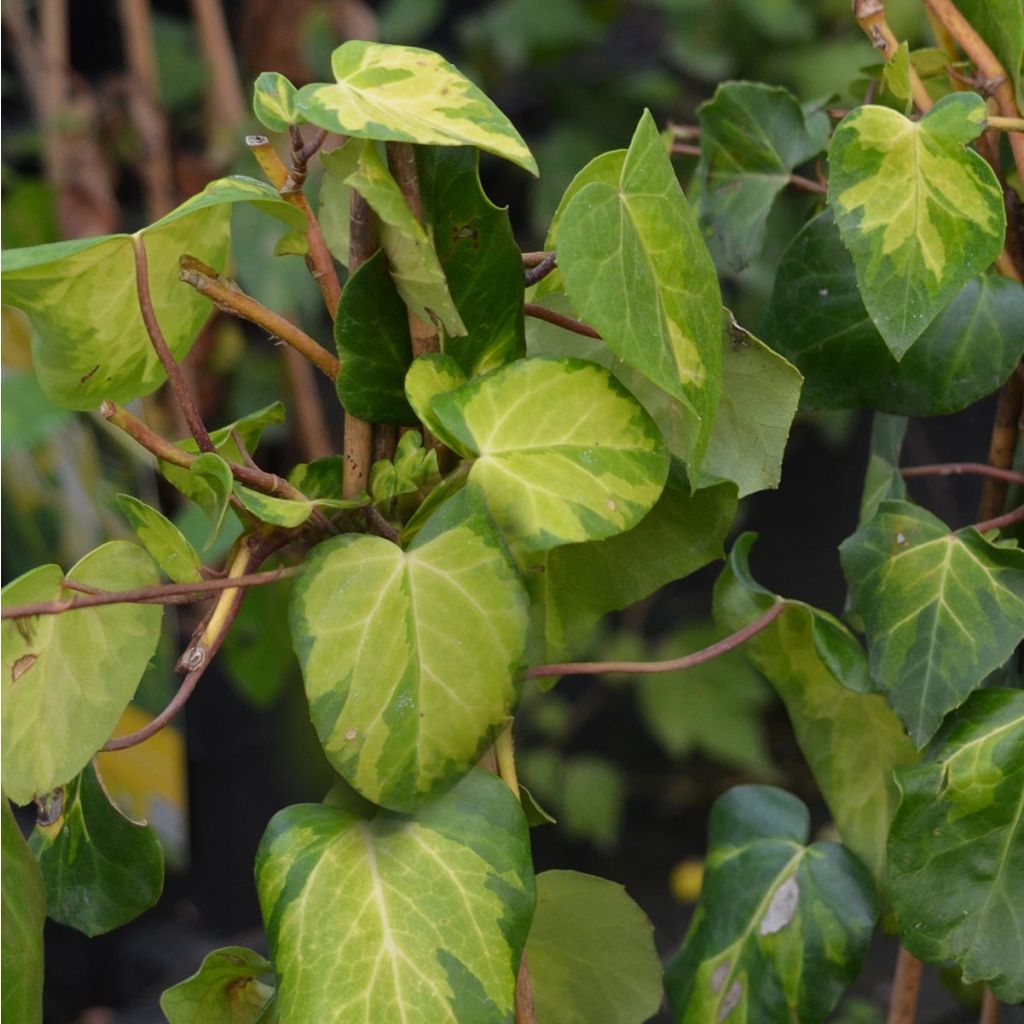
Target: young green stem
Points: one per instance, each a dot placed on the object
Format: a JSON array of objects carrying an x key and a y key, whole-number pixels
[
  {"x": 226, "y": 295},
  {"x": 905, "y": 985},
  {"x": 870, "y": 15},
  {"x": 587, "y": 668}
]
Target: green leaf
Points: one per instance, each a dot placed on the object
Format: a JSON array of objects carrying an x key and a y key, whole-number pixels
[
  {"x": 225, "y": 990},
  {"x": 371, "y": 332},
  {"x": 592, "y": 800},
  {"x": 882, "y": 479},
  {"x": 257, "y": 651},
  {"x": 817, "y": 320},
  {"x": 89, "y": 341},
  {"x": 636, "y": 268},
  {"x": 851, "y": 738},
  {"x": 406, "y": 687},
  {"x": 580, "y": 583},
  {"x": 781, "y": 928},
  {"x": 321, "y": 478},
  {"x": 210, "y": 486},
  {"x": 1001, "y": 24},
  {"x": 752, "y": 138},
  {"x": 714, "y": 709},
  {"x": 162, "y": 539},
  {"x": 67, "y": 678},
  {"x": 760, "y": 394},
  {"x": 940, "y": 609},
  {"x": 430, "y": 375},
  {"x": 101, "y": 869},
  {"x": 955, "y": 853},
  {"x": 405, "y": 94},
  {"x": 419, "y": 918},
  {"x": 480, "y": 258},
  {"x": 591, "y": 953},
  {"x": 896, "y": 72},
  {"x": 290, "y": 512},
  {"x": 412, "y": 258},
  {"x": 918, "y": 211},
  {"x": 563, "y": 451},
  {"x": 22, "y": 918},
  {"x": 273, "y": 101}
]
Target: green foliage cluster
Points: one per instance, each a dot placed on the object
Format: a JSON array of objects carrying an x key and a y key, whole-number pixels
[{"x": 559, "y": 475}]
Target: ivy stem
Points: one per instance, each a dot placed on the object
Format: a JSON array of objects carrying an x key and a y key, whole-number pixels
[
  {"x": 504, "y": 752},
  {"x": 160, "y": 593},
  {"x": 541, "y": 270},
  {"x": 586, "y": 668},
  {"x": 319, "y": 260},
  {"x": 1003, "y": 443},
  {"x": 1010, "y": 518},
  {"x": 906, "y": 983},
  {"x": 958, "y": 468},
  {"x": 559, "y": 320},
  {"x": 1006, "y": 124},
  {"x": 177, "y": 379},
  {"x": 870, "y": 15},
  {"x": 302, "y": 153},
  {"x": 989, "y": 1008},
  {"x": 993, "y": 75},
  {"x": 531, "y": 259},
  {"x": 226, "y": 295}
]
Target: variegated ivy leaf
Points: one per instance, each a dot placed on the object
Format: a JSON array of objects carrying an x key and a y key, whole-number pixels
[
  {"x": 940, "y": 609},
  {"x": 406, "y": 687},
  {"x": 919, "y": 212},
  {"x": 851, "y": 738},
  {"x": 406, "y": 94},
  {"x": 430, "y": 375},
  {"x": 956, "y": 851},
  {"x": 67, "y": 678},
  {"x": 89, "y": 342},
  {"x": 562, "y": 452},
  {"x": 415, "y": 918},
  {"x": 781, "y": 928},
  {"x": 290, "y": 512},
  {"x": 636, "y": 268},
  {"x": 225, "y": 990},
  {"x": 22, "y": 916},
  {"x": 273, "y": 102},
  {"x": 162, "y": 539},
  {"x": 412, "y": 258},
  {"x": 752, "y": 138}
]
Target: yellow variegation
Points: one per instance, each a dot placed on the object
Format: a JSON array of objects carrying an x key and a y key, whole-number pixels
[
  {"x": 406, "y": 94},
  {"x": 918, "y": 211},
  {"x": 273, "y": 101}
]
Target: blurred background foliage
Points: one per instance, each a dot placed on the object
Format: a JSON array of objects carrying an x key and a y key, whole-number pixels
[{"x": 119, "y": 133}]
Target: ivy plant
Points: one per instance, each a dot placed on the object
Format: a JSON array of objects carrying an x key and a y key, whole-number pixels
[{"x": 531, "y": 441}]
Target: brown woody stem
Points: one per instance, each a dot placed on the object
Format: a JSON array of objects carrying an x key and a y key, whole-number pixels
[
  {"x": 559, "y": 320},
  {"x": 226, "y": 295},
  {"x": 870, "y": 15},
  {"x": 1010, "y": 518},
  {"x": 969, "y": 468},
  {"x": 905, "y": 986},
  {"x": 1005, "y": 433}
]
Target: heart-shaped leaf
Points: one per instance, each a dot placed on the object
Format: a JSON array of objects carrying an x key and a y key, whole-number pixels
[
  {"x": 919, "y": 212},
  {"x": 940, "y": 609},
  {"x": 563, "y": 453},
  {"x": 67, "y": 678},
  {"x": 405, "y": 94},
  {"x": 781, "y": 928},
  {"x": 273, "y": 101},
  {"x": 101, "y": 869},
  {"x": 956, "y": 858},
  {"x": 416, "y": 918},
  {"x": 410, "y": 657},
  {"x": 636, "y": 268}
]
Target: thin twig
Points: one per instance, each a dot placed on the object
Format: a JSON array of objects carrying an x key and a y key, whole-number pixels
[
  {"x": 870, "y": 15},
  {"x": 531, "y": 259},
  {"x": 559, "y": 320},
  {"x": 541, "y": 270},
  {"x": 586, "y": 668},
  {"x": 181, "y": 392},
  {"x": 1005, "y": 124},
  {"x": 159, "y": 593},
  {"x": 989, "y": 1008},
  {"x": 958, "y": 468},
  {"x": 1010, "y": 518},
  {"x": 226, "y": 295},
  {"x": 808, "y": 184},
  {"x": 1003, "y": 444},
  {"x": 380, "y": 526},
  {"x": 302, "y": 153},
  {"x": 906, "y": 983}
]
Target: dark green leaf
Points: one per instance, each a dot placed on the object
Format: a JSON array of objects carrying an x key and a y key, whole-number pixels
[
  {"x": 372, "y": 335},
  {"x": 752, "y": 138},
  {"x": 101, "y": 869},
  {"x": 817, "y": 319},
  {"x": 956, "y": 852},
  {"x": 162, "y": 539},
  {"x": 851, "y": 738},
  {"x": 419, "y": 917},
  {"x": 940, "y": 609},
  {"x": 225, "y": 990},
  {"x": 21, "y": 922},
  {"x": 781, "y": 928},
  {"x": 591, "y": 953},
  {"x": 258, "y": 651}
]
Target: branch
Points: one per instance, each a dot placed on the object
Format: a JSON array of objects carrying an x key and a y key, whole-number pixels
[
  {"x": 870, "y": 15},
  {"x": 159, "y": 593},
  {"x": 1005, "y": 124},
  {"x": 989, "y": 1008},
  {"x": 226, "y": 295},
  {"x": 302, "y": 153},
  {"x": 586, "y": 668},
  {"x": 320, "y": 261},
  {"x": 958, "y": 468},
  {"x": 541, "y": 270},
  {"x": 170, "y": 365},
  {"x": 994, "y": 77},
  {"x": 1003, "y": 442},
  {"x": 565, "y": 322},
  {"x": 1001, "y": 522},
  {"x": 905, "y": 985},
  {"x": 531, "y": 259}
]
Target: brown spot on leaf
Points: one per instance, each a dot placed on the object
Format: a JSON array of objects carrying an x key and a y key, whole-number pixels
[
  {"x": 82, "y": 380},
  {"x": 22, "y": 665}
]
